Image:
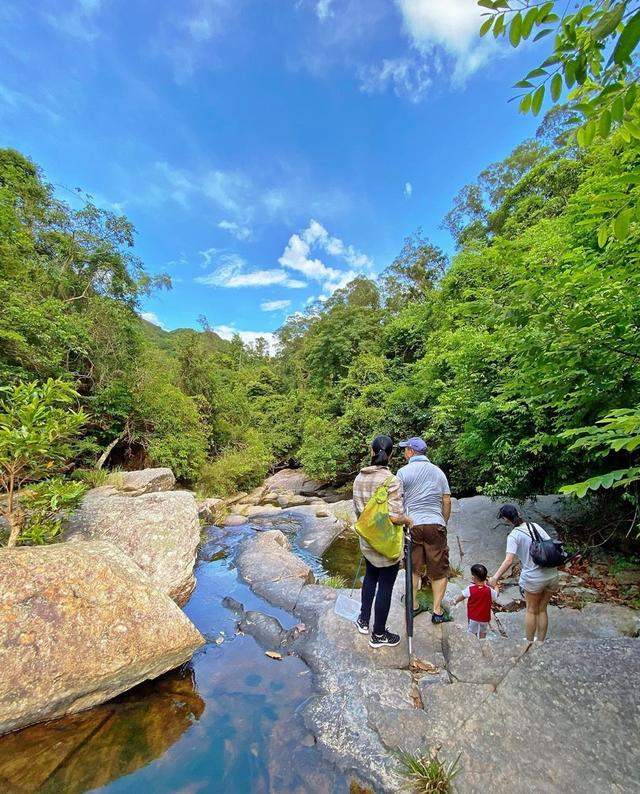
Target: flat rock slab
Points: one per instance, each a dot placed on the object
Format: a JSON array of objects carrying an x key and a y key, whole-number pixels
[
  {"x": 268, "y": 565},
  {"x": 160, "y": 531},
  {"x": 147, "y": 481},
  {"x": 593, "y": 621},
  {"x": 79, "y": 624},
  {"x": 470, "y": 660},
  {"x": 565, "y": 719}
]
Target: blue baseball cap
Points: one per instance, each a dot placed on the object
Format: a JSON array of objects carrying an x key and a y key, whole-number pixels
[{"x": 416, "y": 444}]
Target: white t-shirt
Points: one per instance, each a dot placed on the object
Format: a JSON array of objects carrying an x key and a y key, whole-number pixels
[{"x": 519, "y": 543}]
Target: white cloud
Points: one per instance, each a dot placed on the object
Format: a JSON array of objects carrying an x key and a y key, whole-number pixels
[
  {"x": 78, "y": 21},
  {"x": 323, "y": 9},
  {"x": 244, "y": 200},
  {"x": 236, "y": 230},
  {"x": 152, "y": 317},
  {"x": 408, "y": 189},
  {"x": 452, "y": 25},
  {"x": 297, "y": 256},
  {"x": 275, "y": 306},
  {"x": 248, "y": 337},
  {"x": 408, "y": 77},
  {"x": 231, "y": 273}
]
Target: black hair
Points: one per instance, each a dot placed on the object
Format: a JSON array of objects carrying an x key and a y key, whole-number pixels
[
  {"x": 479, "y": 571},
  {"x": 381, "y": 447},
  {"x": 511, "y": 513}
]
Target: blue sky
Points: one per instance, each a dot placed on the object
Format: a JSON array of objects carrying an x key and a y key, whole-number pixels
[{"x": 266, "y": 150}]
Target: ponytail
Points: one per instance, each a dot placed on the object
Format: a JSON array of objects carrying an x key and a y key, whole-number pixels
[
  {"x": 381, "y": 449},
  {"x": 511, "y": 513}
]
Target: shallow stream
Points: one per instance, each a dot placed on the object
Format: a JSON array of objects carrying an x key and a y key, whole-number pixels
[{"x": 226, "y": 722}]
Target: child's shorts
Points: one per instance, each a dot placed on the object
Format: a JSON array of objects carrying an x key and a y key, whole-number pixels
[{"x": 477, "y": 628}]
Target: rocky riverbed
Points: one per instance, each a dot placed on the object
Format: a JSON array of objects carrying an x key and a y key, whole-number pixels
[
  {"x": 284, "y": 694},
  {"x": 484, "y": 701}
]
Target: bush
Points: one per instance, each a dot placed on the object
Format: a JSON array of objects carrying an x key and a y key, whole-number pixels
[
  {"x": 45, "y": 505},
  {"x": 238, "y": 468}
]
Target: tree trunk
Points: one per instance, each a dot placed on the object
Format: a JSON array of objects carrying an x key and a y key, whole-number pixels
[
  {"x": 13, "y": 516},
  {"x": 101, "y": 460}
]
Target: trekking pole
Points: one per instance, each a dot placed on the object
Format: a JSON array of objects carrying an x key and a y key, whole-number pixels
[{"x": 408, "y": 598}]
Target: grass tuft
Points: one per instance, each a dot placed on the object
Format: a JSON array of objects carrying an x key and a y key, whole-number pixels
[
  {"x": 427, "y": 774},
  {"x": 336, "y": 581}
]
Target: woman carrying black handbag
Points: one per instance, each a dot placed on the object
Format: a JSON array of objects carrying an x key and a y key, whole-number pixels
[{"x": 531, "y": 545}]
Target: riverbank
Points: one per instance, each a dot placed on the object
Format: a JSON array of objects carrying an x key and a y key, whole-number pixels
[{"x": 482, "y": 701}]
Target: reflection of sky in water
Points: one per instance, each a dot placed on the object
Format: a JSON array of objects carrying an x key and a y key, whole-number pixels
[{"x": 225, "y": 723}]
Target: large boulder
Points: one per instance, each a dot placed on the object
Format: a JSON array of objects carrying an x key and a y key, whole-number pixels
[
  {"x": 147, "y": 481},
  {"x": 212, "y": 510},
  {"x": 79, "y": 624},
  {"x": 159, "y": 531},
  {"x": 294, "y": 481}
]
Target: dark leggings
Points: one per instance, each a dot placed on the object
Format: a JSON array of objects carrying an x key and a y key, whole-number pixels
[{"x": 383, "y": 579}]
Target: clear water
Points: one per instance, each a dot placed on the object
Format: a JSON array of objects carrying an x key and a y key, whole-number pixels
[
  {"x": 226, "y": 722},
  {"x": 342, "y": 558}
]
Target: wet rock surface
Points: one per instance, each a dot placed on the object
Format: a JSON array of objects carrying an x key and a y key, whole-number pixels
[
  {"x": 485, "y": 700},
  {"x": 160, "y": 531},
  {"x": 79, "y": 624}
]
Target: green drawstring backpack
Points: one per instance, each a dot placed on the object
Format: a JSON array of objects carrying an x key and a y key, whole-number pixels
[{"x": 374, "y": 524}]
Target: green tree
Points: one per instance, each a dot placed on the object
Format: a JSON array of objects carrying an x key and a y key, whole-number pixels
[{"x": 37, "y": 425}]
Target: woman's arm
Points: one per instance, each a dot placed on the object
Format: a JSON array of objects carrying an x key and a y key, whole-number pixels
[
  {"x": 506, "y": 564},
  {"x": 396, "y": 506}
]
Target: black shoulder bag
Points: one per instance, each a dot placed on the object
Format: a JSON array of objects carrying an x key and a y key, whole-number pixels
[{"x": 546, "y": 553}]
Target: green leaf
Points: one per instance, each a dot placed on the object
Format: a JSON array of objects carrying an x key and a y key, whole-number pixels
[
  {"x": 604, "y": 127},
  {"x": 609, "y": 22},
  {"x": 536, "y": 101},
  {"x": 528, "y": 22},
  {"x": 570, "y": 73},
  {"x": 498, "y": 27},
  {"x": 543, "y": 11},
  {"x": 556, "y": 86},
  {"x": 515, "y": 30},
  {"x": 523, "y": 84},
  {"x": 486, "y": 26},
  {"x": 628, "y": 41},
  {"x": 589, "y": 133},
  {"x": 630, "y": 96},
  {"x": 486, "y": 4},
  {"x": 525, "y": 103},
  {"x": 541, "y": 34},
  {"x": 617, "y": 109},
  {"x": 621, "y": 224},
  {"x": 634, "y": 129},
  {"x": 537, "y": 72},
  {"x": 603, "y": 235}
]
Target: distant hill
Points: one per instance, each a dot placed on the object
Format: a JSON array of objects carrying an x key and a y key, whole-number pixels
[{"x": 167, "y": 340}]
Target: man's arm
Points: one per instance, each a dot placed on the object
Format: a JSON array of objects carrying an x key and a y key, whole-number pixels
[{"x": 446, "y": 507}]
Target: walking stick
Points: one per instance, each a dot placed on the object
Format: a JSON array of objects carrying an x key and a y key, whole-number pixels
[{"x": 408, "y": 597}]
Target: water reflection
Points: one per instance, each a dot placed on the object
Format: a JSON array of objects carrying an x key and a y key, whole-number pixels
[
  {"x": 228, "y": 722},
  {"x": 342, "y": 558},
  {"x": 93, "y": 748}
]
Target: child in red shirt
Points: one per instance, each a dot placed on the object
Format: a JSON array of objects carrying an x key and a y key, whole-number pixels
[{"x": 479, "y": 597}]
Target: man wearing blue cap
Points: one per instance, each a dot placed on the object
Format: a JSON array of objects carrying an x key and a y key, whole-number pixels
[{"x": 427, "y": 502}]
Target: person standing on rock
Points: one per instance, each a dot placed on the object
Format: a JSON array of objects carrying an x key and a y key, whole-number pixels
[
  {"x": 381, "y": 572},
  {"x": 538, "y": 584},
  {"x": 427, "y": 502}
]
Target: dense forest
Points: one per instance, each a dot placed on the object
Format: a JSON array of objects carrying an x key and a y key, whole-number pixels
[{"x": 517, "y": 360}]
